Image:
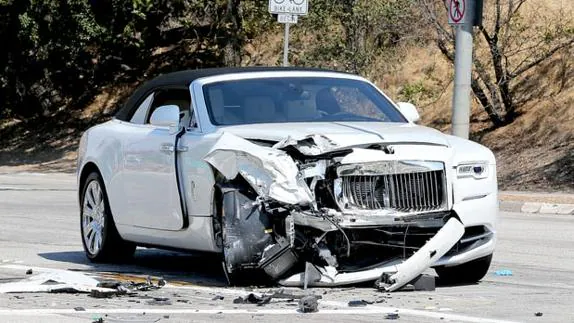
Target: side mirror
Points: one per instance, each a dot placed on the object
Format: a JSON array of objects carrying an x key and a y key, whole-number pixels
[
  {"x": 409, "y": 111},
  {"x": 166, "y": 116}
]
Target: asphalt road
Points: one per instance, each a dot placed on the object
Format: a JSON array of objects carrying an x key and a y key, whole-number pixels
[{"x": 39, "y": 229}]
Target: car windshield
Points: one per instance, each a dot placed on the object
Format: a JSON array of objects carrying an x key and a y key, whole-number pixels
[{"x": 297, "y": 99}]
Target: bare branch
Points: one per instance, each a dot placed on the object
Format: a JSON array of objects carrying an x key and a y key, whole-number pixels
[
  {"x": 520, "y": 70},
  {"x": 444, "y": 50},
  {"x": 435, "y": 21},
  {"x": 485, "y": 34}
]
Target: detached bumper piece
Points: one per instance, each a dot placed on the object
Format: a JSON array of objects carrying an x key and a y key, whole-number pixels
[{"x": 395, "y": 274}]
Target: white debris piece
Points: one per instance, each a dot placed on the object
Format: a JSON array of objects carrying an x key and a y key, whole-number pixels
[
  {"x": 53, "y": 281},
  {"x": 311, "y": 145},
  {"x": 271, "y": 172},
  {"x": 426, "y": 256}
]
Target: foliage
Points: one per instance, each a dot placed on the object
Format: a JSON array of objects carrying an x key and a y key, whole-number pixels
[
  {"x": 510, "y": 44},
  {"x": 59, "y": 52},
  {"x": 61, "y": 49},
  {"x": 351, "y": 33}
]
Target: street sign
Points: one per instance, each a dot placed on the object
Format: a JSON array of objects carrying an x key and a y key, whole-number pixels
[
  {"x": 458, "y": 12},
  {"x": 287, "y": 19},
  {"x": 293, "y": 7}
]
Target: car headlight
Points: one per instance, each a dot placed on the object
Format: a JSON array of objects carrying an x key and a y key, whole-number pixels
[{"x": 475, "y": 170}]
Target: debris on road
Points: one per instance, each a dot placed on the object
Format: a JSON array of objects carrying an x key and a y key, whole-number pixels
[
  {"x": 266, "y": 298},
  {"x": 159, "y": 301},
  {"x": 53, "y": 281},
  {"x": 358, "y": 303},
  {"x": 217, "y": 298},
  {"x": 253, "y": 299},
  {"x": 309, "y": 304},
  {"x": 29, "y": 272},
  {"x": 63, "y": 281},
  {"x": 392, "y": 316},
  {"x": 95, "y": 293},
  {"x": 538, "y": 314},
  {"x": 503, "y": 272},
  {"x": 79, "y": 309},
  {"x": 422, "y": 283}
]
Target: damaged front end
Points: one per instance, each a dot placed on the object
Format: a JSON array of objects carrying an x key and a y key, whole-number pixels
[{"x": 309, "y": 213}]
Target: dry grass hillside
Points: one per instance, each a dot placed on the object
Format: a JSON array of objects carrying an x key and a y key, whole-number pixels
[{"x": 534, "y": 153}]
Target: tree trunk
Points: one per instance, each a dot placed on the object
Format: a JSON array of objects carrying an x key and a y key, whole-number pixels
[{"x": 233, "y": 41}]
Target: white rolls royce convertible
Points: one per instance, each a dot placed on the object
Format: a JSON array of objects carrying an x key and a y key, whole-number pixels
[{"x": 311, "y": 177}]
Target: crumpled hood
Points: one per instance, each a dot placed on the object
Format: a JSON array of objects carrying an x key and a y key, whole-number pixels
[{"x": 343, "y": 134}]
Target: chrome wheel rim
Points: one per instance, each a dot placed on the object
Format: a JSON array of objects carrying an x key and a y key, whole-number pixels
[{"x": 93, "y": 214}]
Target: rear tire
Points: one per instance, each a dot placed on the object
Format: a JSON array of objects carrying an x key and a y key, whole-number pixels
[
  {"x": 100, "y": 237},
  {"x": 467, "y": 273}
]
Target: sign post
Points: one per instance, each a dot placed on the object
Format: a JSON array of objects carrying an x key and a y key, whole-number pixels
[
  {"x": 461, "y": 16},
  {"x": 286, "y": 45},
  {"x": 288, "y": 12}
]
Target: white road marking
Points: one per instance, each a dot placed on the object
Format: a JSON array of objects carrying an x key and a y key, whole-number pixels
[{"x": 377, "y": 310}]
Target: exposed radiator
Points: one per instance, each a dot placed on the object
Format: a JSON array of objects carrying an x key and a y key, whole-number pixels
[{"x": 417, "y": 191}]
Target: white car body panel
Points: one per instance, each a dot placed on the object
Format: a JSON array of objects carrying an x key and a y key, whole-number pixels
[{"x": 141, "y": 180}]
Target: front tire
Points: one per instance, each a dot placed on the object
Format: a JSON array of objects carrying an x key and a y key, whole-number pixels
[
  {"x": 100, "y": 238},
  {"x": 467, "y": 273}
]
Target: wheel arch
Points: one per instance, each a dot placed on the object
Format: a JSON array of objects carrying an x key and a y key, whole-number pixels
[{"x": 87, "y": 169}]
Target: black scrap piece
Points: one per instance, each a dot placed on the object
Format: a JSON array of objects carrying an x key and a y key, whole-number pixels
[
  {"x": 392, "y": 316},
  {"x": 159, "y": 301},
  {"x": 309, "y": 304},
  {"x": 425, "y": 283},
  {"x": 29, "y": 272},
  {"x": 278, "y": 259},
  {"x": 538, "y": 314},
  {"x": 102, "y": 294},
  {"x": 79, "y": 309},
  {"x": 113, "y": 284},
  {"x": 217, "y": 298},
  {"x": 253, "y": 299},
  {"x": 359, "y": 303},
  {"x": 384, "y": 282}
]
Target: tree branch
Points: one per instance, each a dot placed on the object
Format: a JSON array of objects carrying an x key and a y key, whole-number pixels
[{"x": 520, "y": 70}]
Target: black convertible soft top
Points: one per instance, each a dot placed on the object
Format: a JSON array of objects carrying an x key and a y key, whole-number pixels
[{"x": 185, "y": 78}]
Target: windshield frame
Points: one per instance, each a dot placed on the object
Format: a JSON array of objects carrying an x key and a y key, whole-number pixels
[{"x": 200, "y": 101}]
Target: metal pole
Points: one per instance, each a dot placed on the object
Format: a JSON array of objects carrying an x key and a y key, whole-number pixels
[
  {"x": 462, "y": 76},
  {"x": 286, "y": 46}
]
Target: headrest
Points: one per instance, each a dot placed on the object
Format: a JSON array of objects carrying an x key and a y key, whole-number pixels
[
  {"x": 259, "y": 109},
  {"x": 325, "y": 101},
  {"x": 299, "y": 110}
]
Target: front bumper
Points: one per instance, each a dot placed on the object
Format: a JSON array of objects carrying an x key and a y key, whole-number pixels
[{"x": 468, "y": 235}]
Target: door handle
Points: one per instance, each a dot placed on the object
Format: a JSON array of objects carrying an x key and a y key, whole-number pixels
[{"x": 167, "y": 148}]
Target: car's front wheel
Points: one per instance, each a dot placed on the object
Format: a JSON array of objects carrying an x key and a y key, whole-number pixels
[
  {"x": 467, "y": 273},
  {"x": 100, "y": 237}
]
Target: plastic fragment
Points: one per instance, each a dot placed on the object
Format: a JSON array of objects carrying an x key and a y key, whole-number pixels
[
  {"x": 358, "y": 303},
  {"x": 503, "y": 272},
  {"x": 159, "y": 301},
  {"x": 309, "y": 304},
  {"x": 392, "y": 316},
  {"x": 538, "y": 314}
]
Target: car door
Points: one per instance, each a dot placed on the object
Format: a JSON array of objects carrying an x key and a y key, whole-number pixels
[{"x": 149, "y": 177}]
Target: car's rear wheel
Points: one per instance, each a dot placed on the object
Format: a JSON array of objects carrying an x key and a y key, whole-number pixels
[
  {"x": 100, "y": 237},
  {"x": 467, "y": 273}
]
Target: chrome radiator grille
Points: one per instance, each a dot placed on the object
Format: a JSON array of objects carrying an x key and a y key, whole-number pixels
[{"x": 408, "y": 192}]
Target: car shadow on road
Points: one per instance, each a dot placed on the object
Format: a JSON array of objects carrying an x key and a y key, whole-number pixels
[{"x": 183, "y": 268}]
